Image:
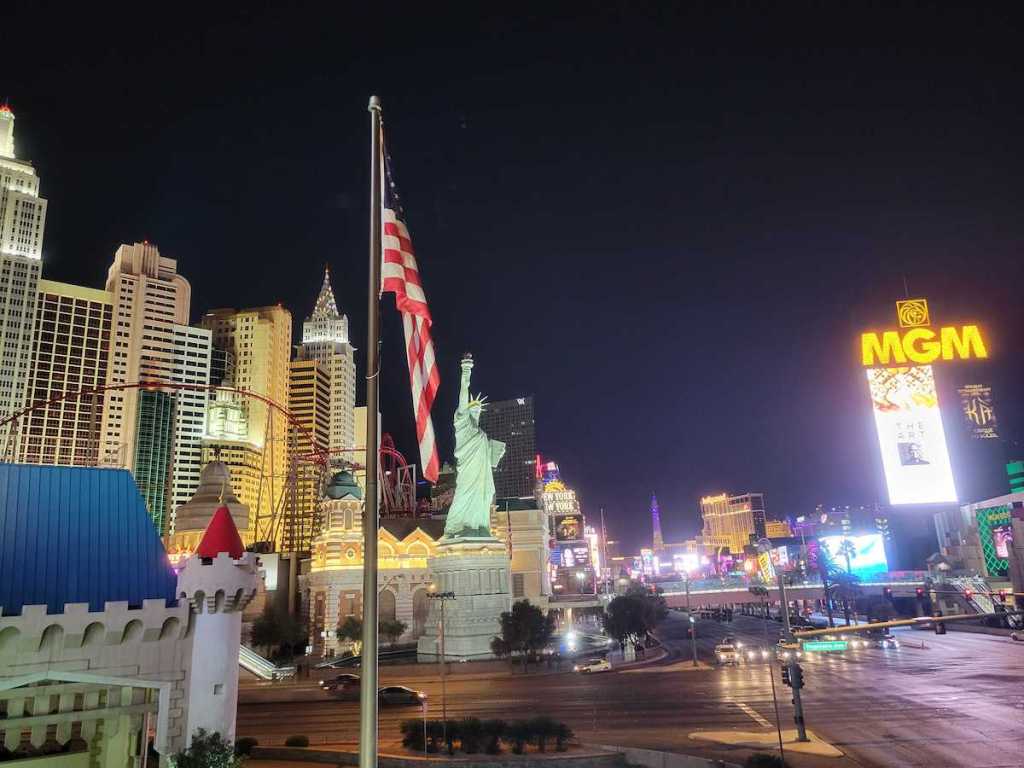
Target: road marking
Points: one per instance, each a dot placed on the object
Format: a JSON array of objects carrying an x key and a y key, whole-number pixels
[{"x": 753, "y": 715}]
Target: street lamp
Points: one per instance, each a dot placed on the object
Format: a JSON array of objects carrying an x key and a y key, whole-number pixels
[
  {"x": 443, "y": 597},
  {"x": 689, "y": 618}
]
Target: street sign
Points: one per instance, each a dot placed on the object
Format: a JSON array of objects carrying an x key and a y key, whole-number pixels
[{"x": 824, "y": 645}]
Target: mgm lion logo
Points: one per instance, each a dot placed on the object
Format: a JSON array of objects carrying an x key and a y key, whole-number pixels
[{"x": 913, "y": 313}]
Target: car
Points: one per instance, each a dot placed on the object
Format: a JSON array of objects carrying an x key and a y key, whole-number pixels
[
  {"x": 786, "y": 651},
  {"x": 755, "y": 654},
  {"x": 881, "y": 639},
  {"x": 725, "y": 653},
  {"x": 338, "y": 681},
  {"x": 399, "y": 695},
  {"x": 800, "y": 621},
  {"x": 593, "y": 665},
  {"x": 1018, "y": 636}
]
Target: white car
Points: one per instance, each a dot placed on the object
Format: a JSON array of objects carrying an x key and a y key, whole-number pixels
[
  {"x": 726, "y": 653},
  {"x": 1018, "y": 636},
  {"x": 593, "y": 665}
]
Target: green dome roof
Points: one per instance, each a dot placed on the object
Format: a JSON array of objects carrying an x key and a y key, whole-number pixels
[{"x": 343, "y": 484}]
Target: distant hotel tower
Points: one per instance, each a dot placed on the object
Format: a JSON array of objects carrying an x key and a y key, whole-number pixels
[
  {"x": 22, "y": 218},
  {"x": 325, "y": 340},
  {"x": 512, "y": 422}
]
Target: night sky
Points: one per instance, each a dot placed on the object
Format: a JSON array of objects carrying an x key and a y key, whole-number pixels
[{"x": 669, "y": 225}]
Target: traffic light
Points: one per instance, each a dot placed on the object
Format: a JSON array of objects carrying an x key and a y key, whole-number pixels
[
  {"x": 919, "y": 592},
  {"x": 1002, "y": 595},
  {"x": 888, "y": 593},
  {"x": 968, "y": 593},
  {"x": 785, "y": 675},
  {"x": 797, "y": 677}
]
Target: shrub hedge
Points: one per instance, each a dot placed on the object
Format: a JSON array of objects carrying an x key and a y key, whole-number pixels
[{"x": 471, "y": 735}]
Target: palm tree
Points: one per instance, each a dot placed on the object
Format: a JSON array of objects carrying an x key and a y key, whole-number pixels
[{"x": 845, "y": 587}]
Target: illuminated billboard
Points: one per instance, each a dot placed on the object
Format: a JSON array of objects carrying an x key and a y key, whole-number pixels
[
  {"x": 568, "y": 528},
  {"x": 979, "y": 415},
  {"x": 910, "y": 435},
  {"x": 866, "y": 553}
]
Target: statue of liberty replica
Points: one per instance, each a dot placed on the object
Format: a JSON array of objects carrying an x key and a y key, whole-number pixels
[
  {"x": 476, "y": 456},
  {"x": 470, "y": 572}
]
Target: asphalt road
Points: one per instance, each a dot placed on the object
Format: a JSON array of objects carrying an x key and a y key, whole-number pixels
[{"x": 958, "y": 701}]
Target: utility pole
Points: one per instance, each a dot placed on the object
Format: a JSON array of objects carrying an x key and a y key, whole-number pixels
[{"x": 765, "y": 546}]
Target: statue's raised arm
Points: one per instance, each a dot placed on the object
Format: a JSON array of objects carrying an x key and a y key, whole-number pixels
[{"x": 467, "y": 370}]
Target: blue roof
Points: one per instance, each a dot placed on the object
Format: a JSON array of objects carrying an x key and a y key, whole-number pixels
[{"x": 77, "y": 535}]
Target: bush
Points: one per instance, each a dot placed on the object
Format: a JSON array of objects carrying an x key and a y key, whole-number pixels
[
  {"x": 435, "y": 733},
  {"x": 541, "y": 729},
  {"x": 518, "y": 733},
  {"x": 244, "y": 745},
  {"x": 297, "y": 740},
  {"x": 412, "y": 735},
  {"x": 471, "y": 734},
  {"x": 451, "y": 733},
  {"x": 764, "y": 760},
  {"x": 562, "y": 735},
  {"x": 207, "y": 750},
  {"x": 493, "y": 730}
]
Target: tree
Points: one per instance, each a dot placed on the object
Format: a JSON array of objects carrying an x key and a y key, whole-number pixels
[
  {"x": 846, "y": 588},
  {"x": 525, "y": 629},
  {"x": 500, "y": 648},
  {"x": 208, "y": 750},
  {"x": 275, "y": 628},
  {"x": 351, "y": 629},
  {"x": 391, "y": 629},
  {"x": 634, "y": 615}
]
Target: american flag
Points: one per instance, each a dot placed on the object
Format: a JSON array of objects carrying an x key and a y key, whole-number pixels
[{"x": 401, "y": 276}]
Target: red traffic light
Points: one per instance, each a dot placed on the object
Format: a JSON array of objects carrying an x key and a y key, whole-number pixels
[
  {"x": 968, "y": 593},
  {"x": 919, "y": 591},
  {"x": 1002, "y": 595}
]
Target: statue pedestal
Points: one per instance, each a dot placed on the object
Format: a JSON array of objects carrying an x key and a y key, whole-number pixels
[{"x": 477, "y": 571}]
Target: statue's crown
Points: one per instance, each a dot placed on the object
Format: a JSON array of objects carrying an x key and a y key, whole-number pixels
[{"x": 479, "y": 401}]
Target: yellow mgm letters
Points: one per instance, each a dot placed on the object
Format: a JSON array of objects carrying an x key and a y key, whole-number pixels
[{"x": 922, "y": 345}]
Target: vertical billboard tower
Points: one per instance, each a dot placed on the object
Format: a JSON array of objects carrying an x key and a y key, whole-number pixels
[
  {"x": 658, "y": 543},
  {"x": 905, "y": 401}
]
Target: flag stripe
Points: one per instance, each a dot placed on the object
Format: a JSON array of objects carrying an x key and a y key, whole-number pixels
[{"x": 400, "y": 275}]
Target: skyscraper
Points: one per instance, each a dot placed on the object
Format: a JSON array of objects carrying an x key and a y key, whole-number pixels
[
  {"x": 730, "y": 521},
  {"x": 72, "y": 343},
  {"x": 138, "y": 430},
  {"x": 191, "y": 367},
  {"x": 512, "y": 422},
  {"x": 22, "y": 219},
  {"x": 254, "y": 446},
  {"x": 309, "y": 401},
  {"x": 325, "y": 339},
  {"x": 658, "y": 543}
]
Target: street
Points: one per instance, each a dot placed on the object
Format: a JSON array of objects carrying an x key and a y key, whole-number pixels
[{"x": 958, "y": 701}]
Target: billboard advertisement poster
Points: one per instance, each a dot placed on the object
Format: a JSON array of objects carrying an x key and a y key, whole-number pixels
[
  {"x": 568, "y": 528},
  {"x": 995, "y": 531},
  {"x": 979, "y": 413},
  {"x": 910, "y": 435},
  {"x": 573, "y": 555},
  {"x": 867, "y": 553}
]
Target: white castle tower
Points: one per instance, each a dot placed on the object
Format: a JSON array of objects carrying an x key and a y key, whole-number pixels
[{"x": 219, "y": 580}]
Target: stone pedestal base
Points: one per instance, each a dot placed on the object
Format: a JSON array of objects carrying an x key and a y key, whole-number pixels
[{"x": 477, "y": 571}]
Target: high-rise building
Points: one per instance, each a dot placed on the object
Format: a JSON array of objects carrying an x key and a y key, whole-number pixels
[
  {"x": 325, "y": 339},
  {"x": 512, "y": 422},
  {"x": 309, "y": 401},
  {"x": 658, "y": 542},
  {"x": 150, "y": 298},
  {"x": 731, "y": 520},
  {"x": 153, "y": 447},
  {"x": 191, "y": 367},
  {"x": 69, "y": 354},
  {"x": 22, "y": 219},
  {"x": 255, "y": 443}
]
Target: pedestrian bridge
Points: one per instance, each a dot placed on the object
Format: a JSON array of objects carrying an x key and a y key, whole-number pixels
[{"x": 730, "y": 589}]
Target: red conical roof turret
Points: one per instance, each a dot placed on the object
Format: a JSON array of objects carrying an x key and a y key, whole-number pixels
[{"x": 221, "y": 536}]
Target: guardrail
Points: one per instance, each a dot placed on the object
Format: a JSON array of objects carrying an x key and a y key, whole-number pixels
[{"x": 264, "y": 669}]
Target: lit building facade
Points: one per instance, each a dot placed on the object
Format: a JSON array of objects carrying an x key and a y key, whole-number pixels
[
  {"x": 309, "y": 401},
  {"x": 731, "y": 520},
  {"x": 192, "y": 367},
  {"x": 154, "y": 447},
  {"x": 22, "y": 221},
  {"x": 777, "y": 529},
  {"x": 325, "y": 339},
  {"x": 70, "y": 353},
  {"x": 259, "y": 342},
  {"x": 512, "y": 422},
  {"x": 149, "y": 298}
]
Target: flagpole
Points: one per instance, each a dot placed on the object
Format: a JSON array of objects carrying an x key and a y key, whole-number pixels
[{"x": 368, "y": 684}]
